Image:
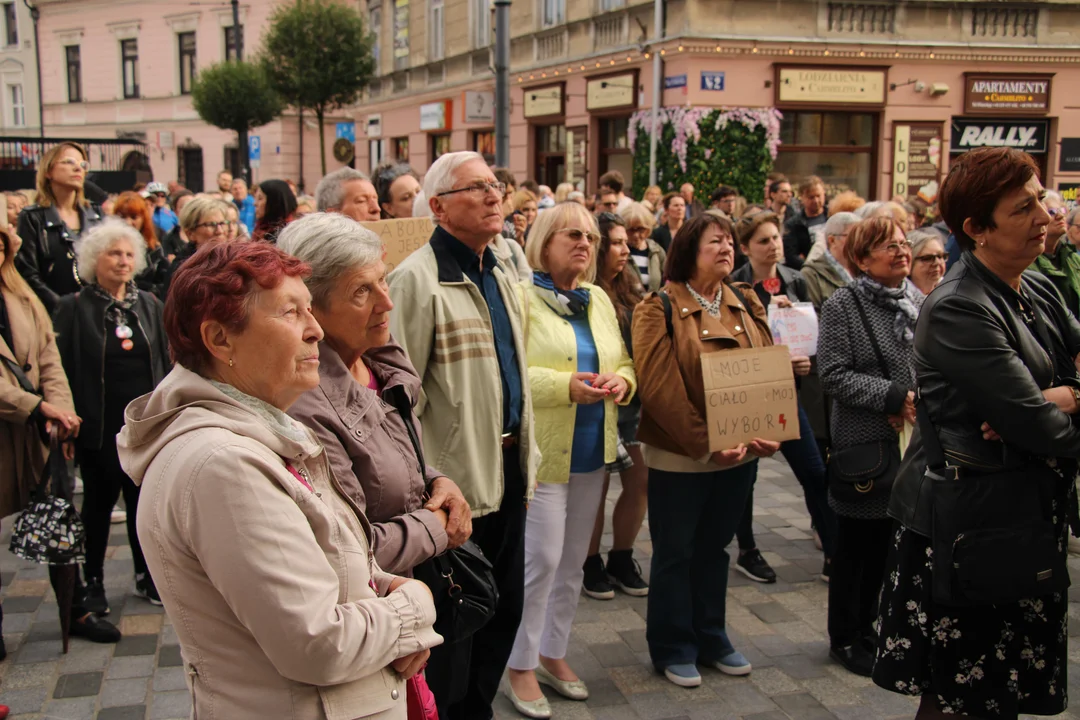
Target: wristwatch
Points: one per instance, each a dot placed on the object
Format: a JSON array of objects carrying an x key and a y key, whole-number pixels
[{"x": 1076, "y": 395}]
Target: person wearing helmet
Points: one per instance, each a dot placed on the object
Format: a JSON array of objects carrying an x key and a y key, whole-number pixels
[{"x": 164, "y": 218}]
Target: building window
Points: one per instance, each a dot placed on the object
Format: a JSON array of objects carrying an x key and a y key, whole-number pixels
[
  {"x": 189, "y": 171},
  {"x": 440, "y": 145},
  {"x": 74, "y": 73},
  {"x": 186, "y": 42},
  {"x": 401, "y": 34},
  {"x": 435, "y": 30},
  {"x": 230, "y": 41},
  {"x": 484, "y": 143},
  {"x": 401, "y": 149},
  {"x": 550, "y": 154},
  {"x": 553, "y": 12},
  {"x": 18, "y": 108},
  {"x": 129, "y": 58},
  {"x": 375, "y": 27},
  {"x": 615, "y": 152},
  {"x": 837, "y": 147},
  {"x": 375, "y": 154},
  {"x": 11, "y": 25},
  {"x": 481, "y": 23},
  {"x": 609, "y": 5}
]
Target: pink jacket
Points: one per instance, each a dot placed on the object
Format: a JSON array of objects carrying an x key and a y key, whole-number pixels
[{"x": 267, "y": 581}]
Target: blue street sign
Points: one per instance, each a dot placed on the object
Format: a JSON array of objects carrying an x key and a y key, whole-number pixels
[
  {"x": 674, "y": 81},
  {"x": 254, "y": 148},
  {"x": 347, "y": 130},
  {"x": 712, "y": 80}
]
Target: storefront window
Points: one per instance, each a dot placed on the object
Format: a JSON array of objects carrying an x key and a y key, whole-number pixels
[
  {"x": 440, "y": 145},
  {"x": 550, "y": 154},
  {"x": 401, "y": 149},
  {"x": 837, "y": 147},
  {"x": 484, "y": 143},
  {"x": 615, "y": 152}
]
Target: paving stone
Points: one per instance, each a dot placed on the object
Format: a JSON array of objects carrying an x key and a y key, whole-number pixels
[
  {"x": 771, "y": 612},
  {"x": 44, "y": 631},
  {"x": 24, "y": 701},
  {"x": 131, "y": 667},
  {"x": 613, "y": 654},
  {"x": 35, "y": 652},
  {"x": 83, "y": 708},
  {"x": 775, "y": 645},
  {"x": 131, "y": 712},
  {"x": 771, "y": 715},
  {"x": 169, "y": 679},
  {"x": 124, "y": 693},
  {"x": 78, "y": 685},
  {"x": 604, "y": 693},
  {"x": 170, "y": 656},
  {"x": 85, "y": 656},
  {"x": 17, "y": 622},
  {"x": 169, "y": 705},
  {"x": 140, "y": 624},
  {"x": 136, "y": 645},
  {"x": 30, "y": 675},
  {"x": 25, "y": 604},
  {"x": 635, "y": 640}
]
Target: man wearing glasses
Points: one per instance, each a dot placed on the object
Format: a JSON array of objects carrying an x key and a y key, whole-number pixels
[
  {"x": 1059, "y": 261},
  {"x": 457, "y": 316}
]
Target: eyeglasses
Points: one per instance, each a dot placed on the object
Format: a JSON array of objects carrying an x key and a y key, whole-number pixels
[
  {"x": 637, "y": 230},
  {"x": 72, "y": 163},
  {"x": 480, "y": 188},
  {"x": 895, "y": 248},
  {"x": 932, "y": 257},
  {"x": 577, "y": 235},
  {"x": 213, "y": 225},
  {"x": 1056, "y": 212}
]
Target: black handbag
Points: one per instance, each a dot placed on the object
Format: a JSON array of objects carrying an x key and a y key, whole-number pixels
[
  {"x": 49, "y": 530},
  {"x": 866, "y": 470},
  {"x": 461, "y": 579},
  {"x": 992, "y": 534}
]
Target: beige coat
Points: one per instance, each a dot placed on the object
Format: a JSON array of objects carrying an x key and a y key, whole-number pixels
[
  {"x": 21, "y": 448},
  {"x": 267, "y": 581}
]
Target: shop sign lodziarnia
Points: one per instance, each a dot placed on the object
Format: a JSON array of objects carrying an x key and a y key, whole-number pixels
[{"x": 834, "y": 85}]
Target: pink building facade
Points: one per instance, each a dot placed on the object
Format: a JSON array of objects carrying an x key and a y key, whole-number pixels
[{"x": 124, "y": 68}]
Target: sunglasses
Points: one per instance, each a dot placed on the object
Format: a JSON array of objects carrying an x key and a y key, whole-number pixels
[
  {"x": 578, "y": 235},
  {"x": 931, "y": 257}
]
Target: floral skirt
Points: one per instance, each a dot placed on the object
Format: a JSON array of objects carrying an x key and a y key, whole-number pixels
[{"x": 987, "y": 662}]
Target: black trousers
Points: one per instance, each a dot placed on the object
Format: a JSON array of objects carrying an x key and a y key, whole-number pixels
[
  {"x": 103, "y": 481},
  {"x": 464, "y": 676},
  {"x": 858, "y": 571}
]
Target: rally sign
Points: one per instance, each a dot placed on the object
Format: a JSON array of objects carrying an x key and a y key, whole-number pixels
[
  {"x": 401, "y": 237},
  {"x": 1027, "y": 135},
  {"x": 749, "y": 393}
]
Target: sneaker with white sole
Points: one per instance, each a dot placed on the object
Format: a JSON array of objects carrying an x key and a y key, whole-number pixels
[
  {"x": 754, "y": 566},
  {"x": 733, "y": 663},
  {"x": 625, "y": 572},
  {"x": 596, "y": 584},
  {"x": 118, "y": 516},
  {"x": 683, "y": 675},
  {"x": 145, "y": 589}
]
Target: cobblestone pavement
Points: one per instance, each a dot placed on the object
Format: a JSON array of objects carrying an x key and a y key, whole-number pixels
[{"x": 780, "y": 628}]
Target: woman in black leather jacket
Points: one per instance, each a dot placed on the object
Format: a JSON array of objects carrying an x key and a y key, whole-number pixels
[
  {"x": 995, "y": 350},
  {"x": 52, "y": 229},
  {"x": 112, "y": 343}
]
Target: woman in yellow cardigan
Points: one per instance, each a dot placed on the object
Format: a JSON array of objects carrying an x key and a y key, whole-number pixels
[{"x": 579, "y": 371}]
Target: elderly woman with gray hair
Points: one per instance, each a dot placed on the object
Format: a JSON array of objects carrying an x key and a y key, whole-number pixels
[
  {"x": 828, "y": 272},
  {"x": 111, "y": 338},
  {"x": 361, "y": 411},
  {"x": 928, "y": 258}
]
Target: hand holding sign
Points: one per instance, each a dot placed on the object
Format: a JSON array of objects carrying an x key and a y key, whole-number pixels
[{"x": 749, "y": 398}]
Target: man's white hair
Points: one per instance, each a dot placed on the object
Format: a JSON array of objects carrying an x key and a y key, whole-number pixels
[
  {"x": 330, "y": 192},
  {"x": 440, "y": 176},
  {"x": 420, "y": 206},
  {"x": 103, "y": 237}
]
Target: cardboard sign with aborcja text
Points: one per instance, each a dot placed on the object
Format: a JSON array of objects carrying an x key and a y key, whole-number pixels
[
  {"x": 749, "y": 394},
  {"x": 401, "y": 238}
]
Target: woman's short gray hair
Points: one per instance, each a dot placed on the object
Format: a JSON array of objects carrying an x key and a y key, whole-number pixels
[
  {"x": 920, "y": 236},
  {"x": 440, "y": 176},
  {"x": 198, "y": 208},
  {"x": 103, "y": 237},
  {"x": 332, "y": 244},
  {"x": 839, "y": 223}
]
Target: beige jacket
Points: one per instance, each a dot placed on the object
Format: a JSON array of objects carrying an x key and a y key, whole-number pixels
[
  {"x": 22, "y": 454},
  {"x": 267, "y": 581}
]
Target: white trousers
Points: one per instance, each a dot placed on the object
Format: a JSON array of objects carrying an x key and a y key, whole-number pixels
[{"x": 558, "y": 528}]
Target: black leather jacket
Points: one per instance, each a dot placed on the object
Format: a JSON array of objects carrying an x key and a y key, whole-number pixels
[
  {"x": 80, "y": 336},
  {"x": 977, "y": 361},
  {"x": 47, "y": 257}
]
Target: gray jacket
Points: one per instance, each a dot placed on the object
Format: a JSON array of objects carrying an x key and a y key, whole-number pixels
[{"x": 372, "y": 457}]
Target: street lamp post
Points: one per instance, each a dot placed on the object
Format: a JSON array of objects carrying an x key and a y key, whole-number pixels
[
  {"x": 35, "y": 15},
  {"x": 657, "y": 85},
  {"x": 502, "y": 83},
  {"x": 242, "y": 136}
]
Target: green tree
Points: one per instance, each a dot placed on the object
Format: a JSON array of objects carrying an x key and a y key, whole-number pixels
[
  {"x": 236, "y": 96},
  {"x": 317, "y": 54}
]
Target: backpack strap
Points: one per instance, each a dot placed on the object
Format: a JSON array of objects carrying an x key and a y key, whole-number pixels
[{"x": 665, "y": 300}]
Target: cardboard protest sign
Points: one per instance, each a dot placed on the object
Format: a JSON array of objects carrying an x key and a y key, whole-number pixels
[
  {"x": 796, "y": 327},
  {"x": 402, "y": 237},
  {"x": 749, "y": 394}
]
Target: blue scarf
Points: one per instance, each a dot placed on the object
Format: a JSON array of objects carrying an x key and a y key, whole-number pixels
[{"x": 564, "y": 302}]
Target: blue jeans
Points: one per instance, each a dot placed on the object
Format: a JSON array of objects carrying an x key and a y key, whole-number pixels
[
  {"x": 692, "y": 518},
  {"x": 804, "y": 458}
]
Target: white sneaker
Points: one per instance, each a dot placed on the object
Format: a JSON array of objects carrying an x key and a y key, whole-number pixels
[{"x": 118, "y": 516}]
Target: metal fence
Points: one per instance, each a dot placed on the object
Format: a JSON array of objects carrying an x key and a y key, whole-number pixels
[{"x": 115, "y": 164}]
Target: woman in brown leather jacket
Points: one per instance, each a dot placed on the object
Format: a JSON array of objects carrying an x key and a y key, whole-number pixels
[{"x": 696, "y": 497}]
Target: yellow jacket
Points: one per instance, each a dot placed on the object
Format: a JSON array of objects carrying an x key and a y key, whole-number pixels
[{"x": 552, "y": 358}]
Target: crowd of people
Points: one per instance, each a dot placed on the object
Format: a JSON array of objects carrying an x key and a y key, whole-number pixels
[{"x": 298, "y": 434}]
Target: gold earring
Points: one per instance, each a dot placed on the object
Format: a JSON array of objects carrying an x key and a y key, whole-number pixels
[{"x": 230, "y": 362}]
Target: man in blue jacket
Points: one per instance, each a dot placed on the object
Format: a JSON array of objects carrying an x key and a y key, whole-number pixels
[{"x": 244, "y": 203}]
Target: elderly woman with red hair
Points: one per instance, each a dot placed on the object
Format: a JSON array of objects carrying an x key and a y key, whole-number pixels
[
  {"x": 135, "y": 211},
  {"x": 237, "y": 496}
]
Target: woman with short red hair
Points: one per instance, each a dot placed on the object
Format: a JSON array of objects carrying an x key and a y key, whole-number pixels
[
  {"x": 245, "y": 526},
  {"x": 135, "y": 211}
]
